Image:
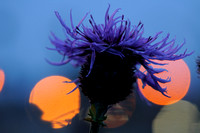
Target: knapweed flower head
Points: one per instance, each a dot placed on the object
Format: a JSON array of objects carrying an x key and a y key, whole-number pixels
[{"x": 109, "y": 54}]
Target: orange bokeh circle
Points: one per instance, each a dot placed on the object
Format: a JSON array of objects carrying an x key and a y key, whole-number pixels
[
  {"x": 177, "y": 88},
  {"x": 50, "y": 96},
  {"x": 2, "y": 79}
]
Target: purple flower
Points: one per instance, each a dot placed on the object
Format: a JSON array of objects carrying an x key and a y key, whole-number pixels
[{"x": 117, "y": 37}]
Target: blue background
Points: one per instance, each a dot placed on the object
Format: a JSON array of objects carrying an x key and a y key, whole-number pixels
[{"x": 25, "y": 26}]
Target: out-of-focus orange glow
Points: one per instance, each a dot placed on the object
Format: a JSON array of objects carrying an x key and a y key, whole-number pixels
[
  {"x": 2, "y": 79},
  {"x": 121, "y": 112},
  {"x": 58, "y": 107},
  {"x": 177, "y": 88}
]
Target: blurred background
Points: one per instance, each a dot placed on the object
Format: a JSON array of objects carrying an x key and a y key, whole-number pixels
[{"x": 25, "y": 28}]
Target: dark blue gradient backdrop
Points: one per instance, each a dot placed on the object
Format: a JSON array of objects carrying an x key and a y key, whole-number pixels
[{"x": 25, "y": 27}]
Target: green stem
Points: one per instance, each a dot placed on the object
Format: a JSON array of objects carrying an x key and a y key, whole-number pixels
[{"x": 97, "y": 116}]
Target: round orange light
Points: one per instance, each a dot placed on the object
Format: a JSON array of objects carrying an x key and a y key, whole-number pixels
[
  {"x": 177, "y": 88},
  {"x": 58, "y": 107},
  {"x": 2, "y": 79}
]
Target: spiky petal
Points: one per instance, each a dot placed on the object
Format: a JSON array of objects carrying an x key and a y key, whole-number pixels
[{"x": 116, "y": 37}]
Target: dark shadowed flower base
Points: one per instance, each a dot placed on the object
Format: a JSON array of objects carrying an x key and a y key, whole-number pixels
[{"x": 110, "y": 80}]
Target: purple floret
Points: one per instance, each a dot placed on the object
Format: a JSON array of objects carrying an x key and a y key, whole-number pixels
[{"x": 115, "y": 36}]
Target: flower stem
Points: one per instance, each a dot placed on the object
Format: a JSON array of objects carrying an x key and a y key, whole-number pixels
[
  {"x": 97, "y": 116},
  {"x": 94, "y": 127}
]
